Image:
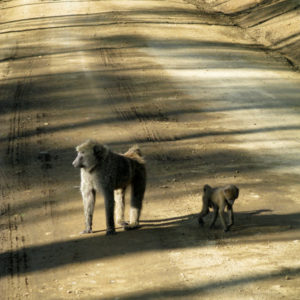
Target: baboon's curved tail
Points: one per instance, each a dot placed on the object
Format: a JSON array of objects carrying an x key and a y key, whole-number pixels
[{"x": 135, "y": 153}]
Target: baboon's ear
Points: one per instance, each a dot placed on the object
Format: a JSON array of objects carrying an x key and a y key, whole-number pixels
[{"x": 97, "y": 150}]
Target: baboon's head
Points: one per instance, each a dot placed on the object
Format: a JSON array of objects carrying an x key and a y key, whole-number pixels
[
  {"x": 88, "y": 154},
  {"x": 231, "y": 192}
]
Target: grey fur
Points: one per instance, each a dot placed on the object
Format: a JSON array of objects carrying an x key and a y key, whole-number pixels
[
  {"x": 111, "y": 173},
  {"x": 218, "y": 198}
]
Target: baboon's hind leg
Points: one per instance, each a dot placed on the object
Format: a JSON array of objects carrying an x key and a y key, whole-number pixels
[
  {"x": 120, "y": 206},
  {"x": 137, "y": 194},
  {"x": 203, "y": 213},
  {"x": 109, "y": 210}
]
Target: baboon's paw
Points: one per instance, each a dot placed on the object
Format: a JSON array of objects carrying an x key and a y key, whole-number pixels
[
  {"x": 122, "y": 223},
  {"x": 110, "y": 232},
  {"x": 132, "y": 227},
  {"x": 86, "y": 231},
  {"x": 200, "y": 221}
]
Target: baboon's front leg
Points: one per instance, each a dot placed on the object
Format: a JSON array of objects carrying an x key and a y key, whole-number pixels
[
  {"x": 221, "y": 214},
  {"x": 230, "y": 215},
  {"x": 109, "y": 210},
  {"x": 88, "y": 197},
  {"x": 120, "y": 206}
]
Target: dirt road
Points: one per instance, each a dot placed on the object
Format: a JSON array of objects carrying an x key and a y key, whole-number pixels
[{"x": 205, "y": 104}]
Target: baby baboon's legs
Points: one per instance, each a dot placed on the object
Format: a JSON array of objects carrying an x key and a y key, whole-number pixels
[
  {"x": 109, "y": 210},
  {"x": 88, "y": 197},
  {"x": 120, "y": 206},
  {"x": 221, "y": 214},
  {"x": 230, "y": 215},
  {"x": 137, "y": 194},
  {"x": 215, "y": 215}
]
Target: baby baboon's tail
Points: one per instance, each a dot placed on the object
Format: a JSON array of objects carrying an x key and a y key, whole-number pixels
[{"x": 135, "y": 153}]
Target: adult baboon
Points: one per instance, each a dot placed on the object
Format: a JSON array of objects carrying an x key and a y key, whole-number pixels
[
  {"x": 111, "y": 173},
  {"x": 218, "y": 198}
]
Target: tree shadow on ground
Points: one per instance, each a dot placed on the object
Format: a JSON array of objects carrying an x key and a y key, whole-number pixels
[
  {"x": 163, "y": 234},
  {"x": 206, "y": 288}
]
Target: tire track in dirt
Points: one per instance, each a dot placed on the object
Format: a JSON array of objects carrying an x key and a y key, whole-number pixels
[
  {"x": 121, "y": 86},
  {"x": 13, "y": 178},
  {"x": 17, "y": 262},
  {"x": 19, "y": 162},
  {"x": 46, "y": 162},
  {"x": 27, "y": 167},
  {"x": 17, "y": 140}
]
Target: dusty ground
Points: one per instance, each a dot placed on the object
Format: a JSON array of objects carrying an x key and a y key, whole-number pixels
[
  {"x": 204, "y": 103},
  {"x": 274, "y": 24}
]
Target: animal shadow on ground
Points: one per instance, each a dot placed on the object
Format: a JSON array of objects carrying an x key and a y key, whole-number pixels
[{"x": 177, "y": 232}]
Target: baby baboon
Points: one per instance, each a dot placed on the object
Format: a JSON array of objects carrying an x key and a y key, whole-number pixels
[
  {"x": 218, "y": 199},
  {"x": 109, "y": 172}
]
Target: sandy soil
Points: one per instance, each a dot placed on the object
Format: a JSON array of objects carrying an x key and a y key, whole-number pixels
[
  {"x": 274, "y": 24},
  {"x": 205, "y": 104}
]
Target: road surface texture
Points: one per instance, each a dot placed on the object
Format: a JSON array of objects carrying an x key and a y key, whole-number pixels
[{"x": 206, "y": 104}]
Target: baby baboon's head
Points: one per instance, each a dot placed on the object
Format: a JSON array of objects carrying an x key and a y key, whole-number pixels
[
  {"x": 231, "y": 192},
  {"x": 88, "y": 154}
]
